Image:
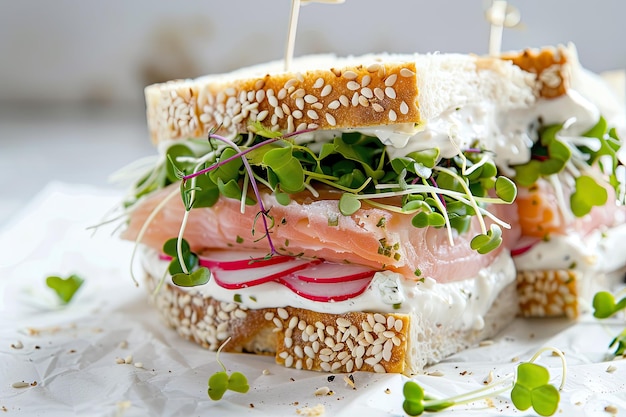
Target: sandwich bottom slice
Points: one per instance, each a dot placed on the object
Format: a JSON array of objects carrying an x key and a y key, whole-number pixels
[{"x": 447, "y": 319}]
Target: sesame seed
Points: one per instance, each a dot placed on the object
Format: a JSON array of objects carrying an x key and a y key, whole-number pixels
[
  {"x": 309, "y": 98},
  {"x": 310, "y": 329},
  {"x": 309, "y": 352},
  {"x": 355, "y": 99},
  {"x": 349, "y": 366},
  {"x": 302, "y": 126},
  {"x": 335, "y": 366},
  {"x": 298, "y": 364},
  {"x": 293, "y": 322},
  {"x": 297, "y": 114},
  {"x": 272, "y": 100},
  {"x": 379, "y": 93},
  {"x": 388, "y": 334},
  {"x": 359, "y": 352},
  {"x": 358, "y": 362},
  {"x": 333, "y": 105},
  {"x": 391, "y": 80},
  {"x": 312, "y": 114},
  {"x": 319, "y": 83},
  {"x": 320, "y": 334},
  {"x": 277, "y": 323},
  {"x": 405, "y": 72},
  {"x": 379, "y": 328},
  {"x": 291, "y": 83},
  {"x": 282, "y": 93},
  {"x": 318, "y": 106},
  {"x": 260, "y": 117},
  {"x": 300, "y": 77},
  {"x": 274, "y": 120},
  {"x": 289, "y": 361},
  {"x": 398, "y": 325},
  {"x": 374, "y": 67},
  {"x": 250, "y": 96},
  {"x": 372, "y": 360},
  {"x": 353, "y": 85},
  {"x": 20, "y": 384},
  {"x": 128, "y": 359},
  {"x": 119, "y": 361},
  {"x": 363, "y": 101},
  {"x": 330, "y": 119},
  {"x": 378, "y": 108},
  {"x": 365, "y": 81},
  {"x": 17, "y": 345},
  {"x": 378, "y": 368},
  {"x": 325, "y": 366},
  {"x": 375, "y": 350},
  {"x": 367, "y": 92},
  {"x": 138, "y": 364},
  {"x": 283, "y": 354},
  {"x": 288, "y": 342},
  {"x": 285, "y": 108},
  {"x": 237, "y": 119},
  {"x": 230, "y": 91},
  {"x": 309, "y": 363},
  {"x": 298, "y": 351},
  {"x": 404, "y": 108},
  {"x": 278, "y": 111},
  {"x": 390, "y": 92},
  {"x": 326, "y": 90},
  {"x": 344, "y": 100},
  {"x": 342, "y": 322},
  {"x": 393, "y": 117},
  {"x": 301, "y": 325},
  {"x": 322, "y": 391},
  {"x": 300, "y": 103},
  {"x": 349, "y": 75},
  {"x": 299, "y": 93}
]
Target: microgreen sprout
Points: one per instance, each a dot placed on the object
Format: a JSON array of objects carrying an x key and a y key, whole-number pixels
[
  {"x": 65, "y": 288},
  {"x": 529, "y": 387},
  {"x": 220, "y": 382},
  {"x": 183, "y": 265},
  {"x": 605, "y": 306},
  {"x": 556, "y": 154}
]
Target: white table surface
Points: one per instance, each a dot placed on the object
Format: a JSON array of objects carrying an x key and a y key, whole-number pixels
[{"x": 70, "y": 352}]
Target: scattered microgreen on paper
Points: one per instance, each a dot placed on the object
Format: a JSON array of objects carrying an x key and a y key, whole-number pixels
[
  {"x": 605, "y": 306},
  {"x": 530, "y": 387},
  {"x": 65, "y": 288},
  {"x": 220, "y": 382}
]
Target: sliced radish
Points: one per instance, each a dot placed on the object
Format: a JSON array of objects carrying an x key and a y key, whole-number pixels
[
  {"x": 525, "y": 244},
  {"x": 249, "y": 277},
  {"x": 325, "y": 292},
  {"x": 334, "y": 272},
  {"x": 231, "y": 260}
]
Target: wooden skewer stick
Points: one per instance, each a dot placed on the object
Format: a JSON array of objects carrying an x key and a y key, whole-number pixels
[
  {"x": 500, "y": 15},
  {"x": 293, "y": 26}
]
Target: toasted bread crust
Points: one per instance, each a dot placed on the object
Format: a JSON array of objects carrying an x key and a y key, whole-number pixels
[
  {"x": 549, "y": 293},
  {"x": 551, "y": 65},
  {"x": 355, "y": 96}
]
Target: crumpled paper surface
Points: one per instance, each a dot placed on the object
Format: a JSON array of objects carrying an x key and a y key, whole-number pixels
[{"x": 68, "y": 354}]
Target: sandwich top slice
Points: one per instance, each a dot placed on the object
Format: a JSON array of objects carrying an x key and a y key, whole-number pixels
[{"x": 353, "y": 213}]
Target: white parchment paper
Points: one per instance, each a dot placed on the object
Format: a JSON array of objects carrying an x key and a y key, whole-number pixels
[{"x": 68, "y": 354}]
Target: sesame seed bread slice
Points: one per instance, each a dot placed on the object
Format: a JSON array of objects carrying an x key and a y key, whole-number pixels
[
  {"x": 327, "y": 92},
  {"x": 309, "y": 340}
]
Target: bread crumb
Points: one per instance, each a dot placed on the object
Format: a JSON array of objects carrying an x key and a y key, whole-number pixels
[
  {"x": 316, "y": 411},
  {"x": 387, "y": 391},
  {"x": 485, "y": 343},
  {"x": 20, "y": 384},
  {"x": 611, "y": 409},
  {"x": 611, "y": 369},
  {"x": 323, "y": 391},
  {"x": 17, "y": 345},
  {"x": 266, "y": 371}
]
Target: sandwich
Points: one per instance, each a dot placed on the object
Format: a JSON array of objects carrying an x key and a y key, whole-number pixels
[
  {"x": 571, "y": 191},
  {"x": 350, "y": 214}
]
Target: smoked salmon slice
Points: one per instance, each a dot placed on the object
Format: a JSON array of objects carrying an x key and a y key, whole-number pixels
[{"x": 315, "y": 228}]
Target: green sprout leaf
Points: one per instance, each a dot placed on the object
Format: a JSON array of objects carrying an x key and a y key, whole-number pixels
[
  {"x": 532, "y": 388},
  {"x": 413, "y": 403},
  {"x": 604, "y": 305},
  {"x": 506, "y": 189},
  {"x": 349, "y": 204},
  {"x": 220, "y": 382},
  {"x": 485, "y": 243},
  {"x": 424, "y": 219},
  {"x": 619, "y": 343},
  {"x": 588, "y": 194},
  {"x": 287, "y": 169},
  {"x": 198, "y": 277},
  {"x": 65, "y": 288}
]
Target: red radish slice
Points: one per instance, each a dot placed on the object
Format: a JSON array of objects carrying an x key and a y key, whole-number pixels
[
  {"x": 249, "y": 277},
  {"x": 525, "y": 244},
  {"x": 325, "y": 292},
  {"x": 231, "y": 260},
  {"x": 328, "y": 272}
]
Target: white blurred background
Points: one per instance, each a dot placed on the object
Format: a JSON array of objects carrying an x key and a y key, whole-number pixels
[{"x": 72, "y": 72}]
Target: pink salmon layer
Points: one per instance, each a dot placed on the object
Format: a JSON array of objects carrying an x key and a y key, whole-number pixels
[{"x": 315, "y": 228}]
